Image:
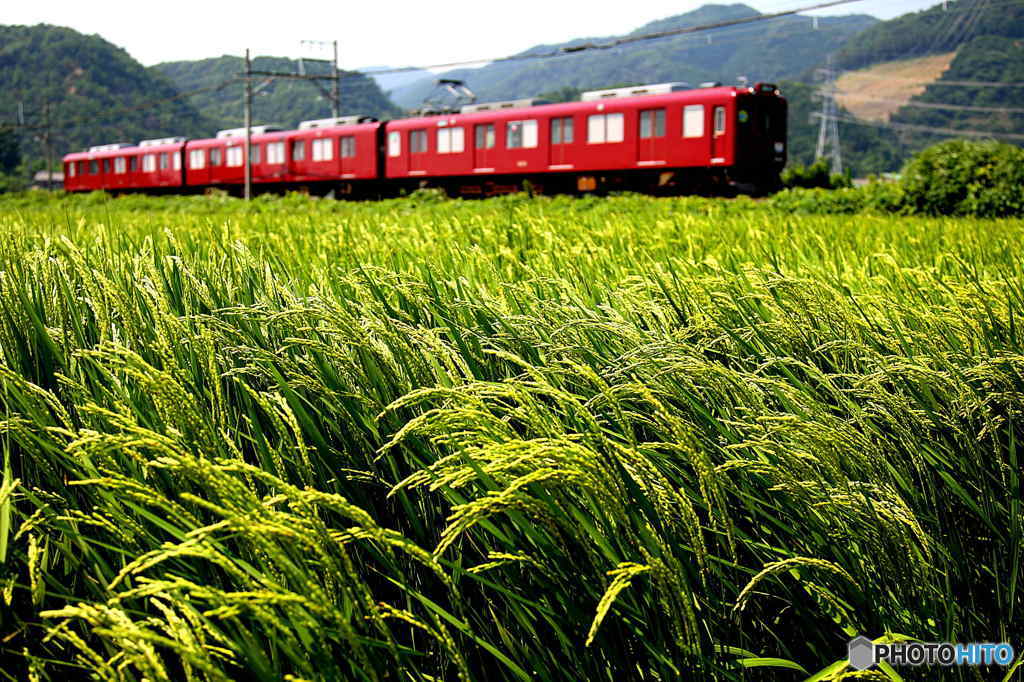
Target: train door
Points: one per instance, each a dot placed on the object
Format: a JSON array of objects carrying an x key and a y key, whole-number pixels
[
  {"x": 483, "y": 147},
  {"x": 652, "y": 144},
  {"x": 347, "y": 154},
  {"x": 417, "y": 152},
  {"x": 561, "y": 136},
  {"x": 718, "y": 135}
]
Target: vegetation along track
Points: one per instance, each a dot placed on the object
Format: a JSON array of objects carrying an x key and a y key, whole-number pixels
[{"x": 512, "y": 439}]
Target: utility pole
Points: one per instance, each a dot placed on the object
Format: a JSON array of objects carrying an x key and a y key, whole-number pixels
[
  {"x": 47, "y": 146},
  {"x": 828, "y": 131},
  {"x": 334, "y": 94},
  {"x": 248, "y": 126},
  {"x": 335, "y": 84}
]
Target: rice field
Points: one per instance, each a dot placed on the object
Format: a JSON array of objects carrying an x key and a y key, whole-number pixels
[{"x": 514, "y": 439}]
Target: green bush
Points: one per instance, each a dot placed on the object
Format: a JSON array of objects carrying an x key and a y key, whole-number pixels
[
  {"x": 961, "y": 177},
  {"x": 818, "y": 174}
]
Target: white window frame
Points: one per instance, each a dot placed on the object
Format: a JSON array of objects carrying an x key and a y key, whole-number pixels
[
  {"x": 197, "y": 159},
  {"x": 148, "y": 163},
  {"x": 394, "y": 143},
  {"x": 323, "y": 149},
  {"x": 275, "y": 153},
  {"x": 693, "y": 121},
  {"x": 527, "y": 134},
  {"x": 606, "y": 128},
  {"x": 451, "y": 140},
  {"x": 234, "y": 156}
]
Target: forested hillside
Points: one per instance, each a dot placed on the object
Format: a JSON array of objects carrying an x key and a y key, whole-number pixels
[
  {"x": 84, "y": 91},
  {"x": 770, "y": 50},
  {"x": 284, "y": 102}
]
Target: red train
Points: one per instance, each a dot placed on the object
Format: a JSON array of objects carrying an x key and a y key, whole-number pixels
[{"x": 661, "y": 138}]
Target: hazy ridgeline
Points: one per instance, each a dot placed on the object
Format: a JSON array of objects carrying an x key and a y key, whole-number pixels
[{"x": 510, "y": 439}]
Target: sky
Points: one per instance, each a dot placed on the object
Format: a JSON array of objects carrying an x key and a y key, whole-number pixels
[{"x": 374, "y": 33}]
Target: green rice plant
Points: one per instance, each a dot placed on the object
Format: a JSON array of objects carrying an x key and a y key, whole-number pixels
[{"x": 602, "y": 439}]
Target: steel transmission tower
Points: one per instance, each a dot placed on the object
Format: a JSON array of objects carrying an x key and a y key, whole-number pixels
[{"x": 828, "y": 131}]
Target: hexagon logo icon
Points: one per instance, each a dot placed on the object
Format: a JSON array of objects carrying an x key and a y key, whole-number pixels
[{"x": 862, "y": 653}]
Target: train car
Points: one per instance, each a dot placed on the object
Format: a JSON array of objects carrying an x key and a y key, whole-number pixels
[
  {"x": 644, "y": 138},
  {"x": 341, "y": 154},
  {"x": 664, "y": 138},
  {"x": 336, "y": 154},
  {"x": 219, "y": 162},
  {"x": 152, "y": 165}
]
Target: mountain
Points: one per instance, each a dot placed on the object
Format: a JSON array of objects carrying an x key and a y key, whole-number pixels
[
  {"x": 84, "y": 91},
  {"x": 218, "y": 93},
  {"x": 392, "y": 79},
  {"x": 942, "y": 28},
  {"x": 988, "y": 41},
  {"x": 784, "y": 47}
]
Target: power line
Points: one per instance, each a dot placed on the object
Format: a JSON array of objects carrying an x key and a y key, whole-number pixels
[
  {"x": 617, "y": 42},
  {"x": 954, "y": 132},
  {"x": 931, "y": 105}
]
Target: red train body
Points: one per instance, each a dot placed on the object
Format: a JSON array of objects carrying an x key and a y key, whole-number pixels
[{"x": 673, "y": 140}]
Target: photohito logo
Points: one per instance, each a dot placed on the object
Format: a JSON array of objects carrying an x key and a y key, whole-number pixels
[{"x": 864, "y": 654}]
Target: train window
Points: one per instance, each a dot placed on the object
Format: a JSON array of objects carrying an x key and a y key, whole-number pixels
[
  {"x": 235, "y": 156},
  {"x": 719, "y": 120},
  {"x": 323, "y": 149},
  {"x": 521, "y": 134},
  {"x": 652, "y": 123},
  {"x": 254, "y": 153},
  {"x": 417, "y": 141},
  {"x": 106, "y": 165},
  {"x": 603, "y": 128},
  {"x": 133, "y": 164},
  {"x": 451, "y": 140},
  {"x": 120, "y": 165},
  {"x": 148, "y": 163},
  {"x": 275, "y": 152},
  {"x": 693, "y": 120},
  {"x": 164, "y": 161},
  {"x": 94, "y": 167},
  {"x": 348, "y": 147},
  {"x": 485, "y": 136},
  {"x": 71, "y": 169},
  {"x": 196, "y": 159},
  {"x": 298, "y": 150},
  {"x": 561, "y": 130},
  {"x": 81, "y": 167},
  {"x": 176, "y": 160},
  {"x": 215, "y": 156}
]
